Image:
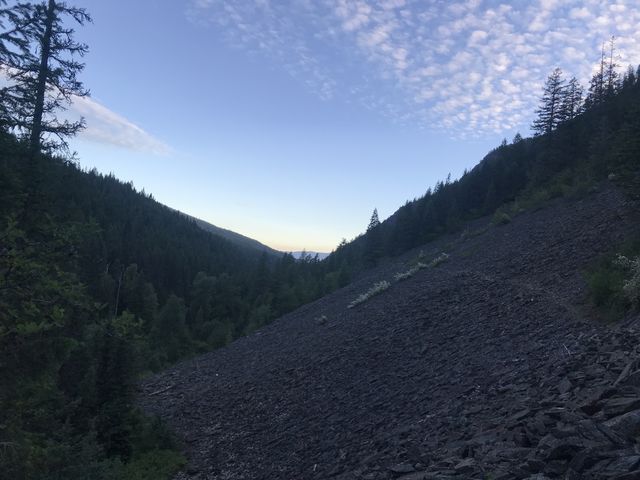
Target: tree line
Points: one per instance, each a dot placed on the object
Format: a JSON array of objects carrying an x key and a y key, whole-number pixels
[
  {"x": 580, "y": 138},
  {"x": 563, "y": 101}
]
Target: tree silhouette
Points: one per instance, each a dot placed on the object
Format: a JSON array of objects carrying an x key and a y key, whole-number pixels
[
  {"x": 374, "y": 240},
  {"x": 375, "y": 221},
  {"x": 550, "y": 110},
  {"x": 13, "y": 39},
  {"x": 44, "y": 80},
  {"x": 611, "y": 74},
  {"x": 604, "y": 82},
  {"x": 572, "y": 100}
]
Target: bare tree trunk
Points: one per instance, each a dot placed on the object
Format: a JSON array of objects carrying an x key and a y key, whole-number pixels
[{"x": 43, "y": 73}]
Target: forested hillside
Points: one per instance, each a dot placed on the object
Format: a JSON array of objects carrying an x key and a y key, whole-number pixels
[
  {"x": 98, "y": 284},
  {"x": 578, "y": 143}
]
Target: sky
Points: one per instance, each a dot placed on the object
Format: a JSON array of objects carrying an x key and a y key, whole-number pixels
[{"x": 289, "y": 121}]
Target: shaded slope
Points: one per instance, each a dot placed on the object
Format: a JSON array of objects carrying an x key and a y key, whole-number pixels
[{"x": 390, "y": 384}]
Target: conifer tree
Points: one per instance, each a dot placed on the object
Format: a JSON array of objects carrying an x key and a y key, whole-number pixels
[
  {"x": 630, "y": 79},
  {"x": 596, "y": 88},
  {"x": 604, "y": 82},
  {"x": 45, "y": 79},
  {"x": 114, "y": 395},
  {"x": 550, "y": 111},
  {"x": 572, "y": 100},
  {"x": 373, "y": 244},
  {"x": 375, "y": 221},
  {"x": 611, "y": 74}
]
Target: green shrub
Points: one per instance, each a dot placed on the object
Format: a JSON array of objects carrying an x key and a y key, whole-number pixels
[
  {"x": 605, "y": 285},
  {"x": 501, "y": 218},
  {"x": 631, "y": 286},
  {"x": 614, "y": 282},
  {"x": 156, "y": 454},
  {"x": 154, "y": 465}
]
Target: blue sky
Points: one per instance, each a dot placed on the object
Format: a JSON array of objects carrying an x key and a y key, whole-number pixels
[{"x": 290, "y": 120}]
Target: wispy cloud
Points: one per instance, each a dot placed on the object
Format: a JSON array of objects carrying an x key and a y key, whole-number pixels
[
  {"x": 106, "y": 126},
  {"x": 469, "y": 67}
]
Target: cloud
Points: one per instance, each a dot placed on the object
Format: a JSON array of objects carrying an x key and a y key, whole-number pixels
[
  {"x": 106, "y": 126},
  {"x": 468, "y": 67}
]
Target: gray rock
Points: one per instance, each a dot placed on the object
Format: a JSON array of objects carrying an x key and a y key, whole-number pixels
[
  {"x": 635, "y": 475},
  {"x": 627, "y": 425},
  {"x": 402, "y": 468},
  {"x": 466, "y": 466},
  {"x": 564, "y": 386},
  {"x": 613, "y": 407},
  {"x": 565, "y": 448},
  {"x": 624, "y": 464}
]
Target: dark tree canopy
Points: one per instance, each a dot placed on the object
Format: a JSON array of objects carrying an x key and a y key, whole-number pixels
[
  {"x": 374, "y": 221},
  {"x": 571, "y": 104},
  {"x": 604, "y": 82}
]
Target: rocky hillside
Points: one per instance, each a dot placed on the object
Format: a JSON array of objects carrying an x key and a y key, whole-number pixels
[{"x": 484, "y": 366}]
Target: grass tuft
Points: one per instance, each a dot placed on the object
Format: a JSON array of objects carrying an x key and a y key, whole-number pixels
[{"x": 374, "y": 290}]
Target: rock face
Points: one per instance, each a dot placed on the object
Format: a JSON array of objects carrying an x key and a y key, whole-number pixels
[{"x": 482, "y": 367}]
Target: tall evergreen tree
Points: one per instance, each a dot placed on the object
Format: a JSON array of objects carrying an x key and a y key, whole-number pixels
[
  {"x": 549, "y": 113},
  {"x": 375, "y": 221},
  {"x": 630, "y": 79},
  {"x": 374, "y": 241},
  {"x": 45, "y": 79},
  {"x": 596, "y": 88},
  {"x": 114, "y": 396},
  {"x": 571, "y": 100},
  {"x": 611, "y": 75},
  {"x": 604, "y": 82}
]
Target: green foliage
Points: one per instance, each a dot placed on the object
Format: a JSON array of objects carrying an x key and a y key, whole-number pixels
[
  {"x": 631, "y": 285},
  {"x": 154, "y": 465},
  {"x": 155, "y": 452},
  {"x": 501, "y": 218},
  {"x": 614, "y": 282},
  {"x": 98, "y": 285},
  {"x": 170, "y": 331}
]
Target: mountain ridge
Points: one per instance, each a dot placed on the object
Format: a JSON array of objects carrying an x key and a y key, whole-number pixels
[{"x": 232, "y": 236}]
